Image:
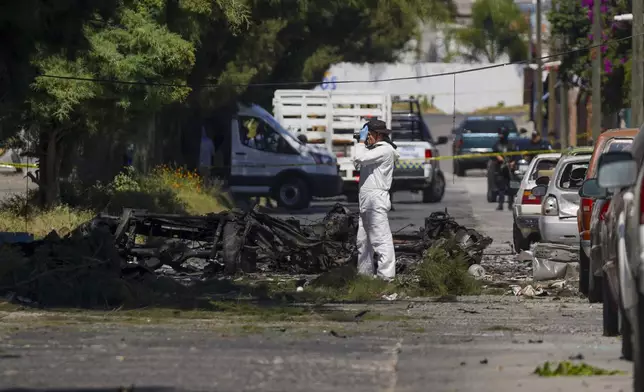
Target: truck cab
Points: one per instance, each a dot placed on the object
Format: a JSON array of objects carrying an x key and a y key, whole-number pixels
[{"x": 268, "y": 160}]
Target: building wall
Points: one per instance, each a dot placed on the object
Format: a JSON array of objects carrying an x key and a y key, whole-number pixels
[{"x": 474, "y": 90}]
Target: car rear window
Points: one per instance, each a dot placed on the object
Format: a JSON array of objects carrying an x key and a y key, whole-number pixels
[
  {"x": 542, "y": 165},
  {"x": 618, "y": 145},
  {"x": 566, "y": 182}
]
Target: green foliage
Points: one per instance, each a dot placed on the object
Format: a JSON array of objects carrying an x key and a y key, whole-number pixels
[
  {"x": 444, "y": 271},
  {"x": 497, "y": 28},
  {"x": 567, "y": 368},
  {"x": 572, "y": 28}
]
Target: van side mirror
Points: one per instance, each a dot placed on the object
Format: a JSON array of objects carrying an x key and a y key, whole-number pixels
[
  {"x": 302, "y": 137},
  {"x": 539, "y": 190},
  {"x": 543, "y": 180},
  {"x": 619, "y": 174},
  {"x": 591, "y": 189},
  {"x": 441, "y": 140}
]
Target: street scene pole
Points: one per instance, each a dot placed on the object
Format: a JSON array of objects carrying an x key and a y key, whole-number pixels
[
  {"x": 596, "y": 71},
  {"x": 637, "y": 65},
  {"x": 538, "y": 79}
]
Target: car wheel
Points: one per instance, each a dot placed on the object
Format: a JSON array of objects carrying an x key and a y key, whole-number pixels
[
  {"x": 638, "y": 345},
  {"x": 519, "y": 242},
  {"x": 627, "y": 335},
  {"x": 459, "y": 170},
  {"x": 584, "y": 272},
  {"x": 293, "y": 194},
  {"x": 595, "y": 291},
  {"x": 610, "y": 311},
  {"x": 436, "y": 190}
]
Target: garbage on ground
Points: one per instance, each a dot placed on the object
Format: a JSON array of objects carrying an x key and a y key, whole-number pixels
[
  {"x": 552, "y": 261},
  {"x": 112, "y": 257},
  {"x": 476, "y": 271}
]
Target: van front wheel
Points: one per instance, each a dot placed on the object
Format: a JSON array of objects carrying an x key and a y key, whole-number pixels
[{"x": 293, "y": 194}]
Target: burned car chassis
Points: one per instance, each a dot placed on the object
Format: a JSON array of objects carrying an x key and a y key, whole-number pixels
[{"x": 249, "y": 241}]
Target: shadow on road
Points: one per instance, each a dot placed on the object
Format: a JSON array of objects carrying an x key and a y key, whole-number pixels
[{"x": 115, "y": 389}]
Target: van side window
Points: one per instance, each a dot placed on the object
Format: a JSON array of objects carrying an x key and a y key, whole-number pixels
[{"x": 257, "y": 134}]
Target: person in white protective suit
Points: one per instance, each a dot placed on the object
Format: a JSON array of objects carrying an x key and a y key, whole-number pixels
[{"x": 375, "y": 157}]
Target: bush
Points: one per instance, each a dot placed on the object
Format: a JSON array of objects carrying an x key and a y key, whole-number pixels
[
  {"x": 165, "y": 190},
  {"x": 443, "y": 272}
]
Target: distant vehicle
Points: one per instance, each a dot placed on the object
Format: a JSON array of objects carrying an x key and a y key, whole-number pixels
[
  {"x": 558, "y": 220},
  {"x": 477, "y": 135},
  {"x": 592, "y": 214},
  {"x": 527, "y": 207},
  {"x": 622, "y": 174},
  {"x": 278, "y": 164},
  {"x": 414, "y": 171}
]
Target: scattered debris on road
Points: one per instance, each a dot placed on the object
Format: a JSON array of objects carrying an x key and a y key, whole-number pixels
[{"x": 109, "y": 259}]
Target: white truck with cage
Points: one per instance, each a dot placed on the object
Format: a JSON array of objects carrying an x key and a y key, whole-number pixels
[{"x": 328, "y": 119}]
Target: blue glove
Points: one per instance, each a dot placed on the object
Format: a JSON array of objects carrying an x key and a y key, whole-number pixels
[{"x": 363, "y": 133}]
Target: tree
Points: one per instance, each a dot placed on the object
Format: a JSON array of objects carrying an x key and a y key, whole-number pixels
[
  {"x": 571, "y": 22},
  {"x": 498, "y": 28},
  {"x": 149, "y": 70}
]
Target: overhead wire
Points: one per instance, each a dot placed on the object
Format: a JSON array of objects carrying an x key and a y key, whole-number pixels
[{"x": 315, "y": 83}]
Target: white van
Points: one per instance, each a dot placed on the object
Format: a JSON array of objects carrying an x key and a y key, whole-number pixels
[{"x": 268, "y": 160}]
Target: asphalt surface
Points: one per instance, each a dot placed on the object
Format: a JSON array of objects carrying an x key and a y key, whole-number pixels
[{"x": 481, "y": 343}]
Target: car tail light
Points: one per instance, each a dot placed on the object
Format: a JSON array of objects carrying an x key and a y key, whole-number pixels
[
  {"x": 356, "y": 174},
  {"x": 458, "y": 143},
  {"x": 550, "y": 206},
  {"x": 586, "y": 205},
  {"x": 529, "y": 198},
  {"x": 428, "y": 154},
  {"x": 602, "y": 213}
]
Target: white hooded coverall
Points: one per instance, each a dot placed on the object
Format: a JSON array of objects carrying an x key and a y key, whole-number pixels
[{"x": 376, "y": 167}]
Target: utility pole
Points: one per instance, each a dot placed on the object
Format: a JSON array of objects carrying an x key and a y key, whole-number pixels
[
  {"x": 538, "y": 80},
  {"x": 637, "y": 65},
  {"x": 597, "y": 71}
]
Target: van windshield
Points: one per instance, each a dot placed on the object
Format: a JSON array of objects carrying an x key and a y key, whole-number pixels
[{"x": 279, "y": 128}]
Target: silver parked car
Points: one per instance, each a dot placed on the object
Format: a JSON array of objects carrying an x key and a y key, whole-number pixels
[
  {"x": 527, "y": 207},
  {"x": 558, "y": 220}
]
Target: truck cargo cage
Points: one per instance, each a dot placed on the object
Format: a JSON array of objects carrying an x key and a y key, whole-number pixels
[{"x": 330, "y": 117}]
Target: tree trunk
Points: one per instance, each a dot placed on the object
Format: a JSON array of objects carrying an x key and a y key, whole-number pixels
[{"x": 49, "y": 169}]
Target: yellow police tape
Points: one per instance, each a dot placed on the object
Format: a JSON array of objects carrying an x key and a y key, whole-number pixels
[{"x": 408, "y": 161}]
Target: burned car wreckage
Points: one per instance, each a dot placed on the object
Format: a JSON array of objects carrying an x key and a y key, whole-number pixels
[
  {"x": 110, "y": 260},
  {"x": 250, "y": 241}
]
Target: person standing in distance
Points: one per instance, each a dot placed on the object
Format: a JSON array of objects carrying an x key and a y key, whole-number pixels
[{"x": 375, "y": 157}]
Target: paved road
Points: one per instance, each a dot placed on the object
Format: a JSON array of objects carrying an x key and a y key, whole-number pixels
[{"x": 479, "y": 344}]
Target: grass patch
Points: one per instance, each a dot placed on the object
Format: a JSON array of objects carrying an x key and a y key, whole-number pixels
[
  {"x": 444, "y": 272},
  {"x": 567, "y": 368},
  {"x": 63, "y": 219},
  {"x": 164, "y": 190},
  {"x": 502, "y": 328}
]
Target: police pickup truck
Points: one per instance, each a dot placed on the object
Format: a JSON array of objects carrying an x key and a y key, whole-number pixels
[{"x": 415, "y": 170}]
